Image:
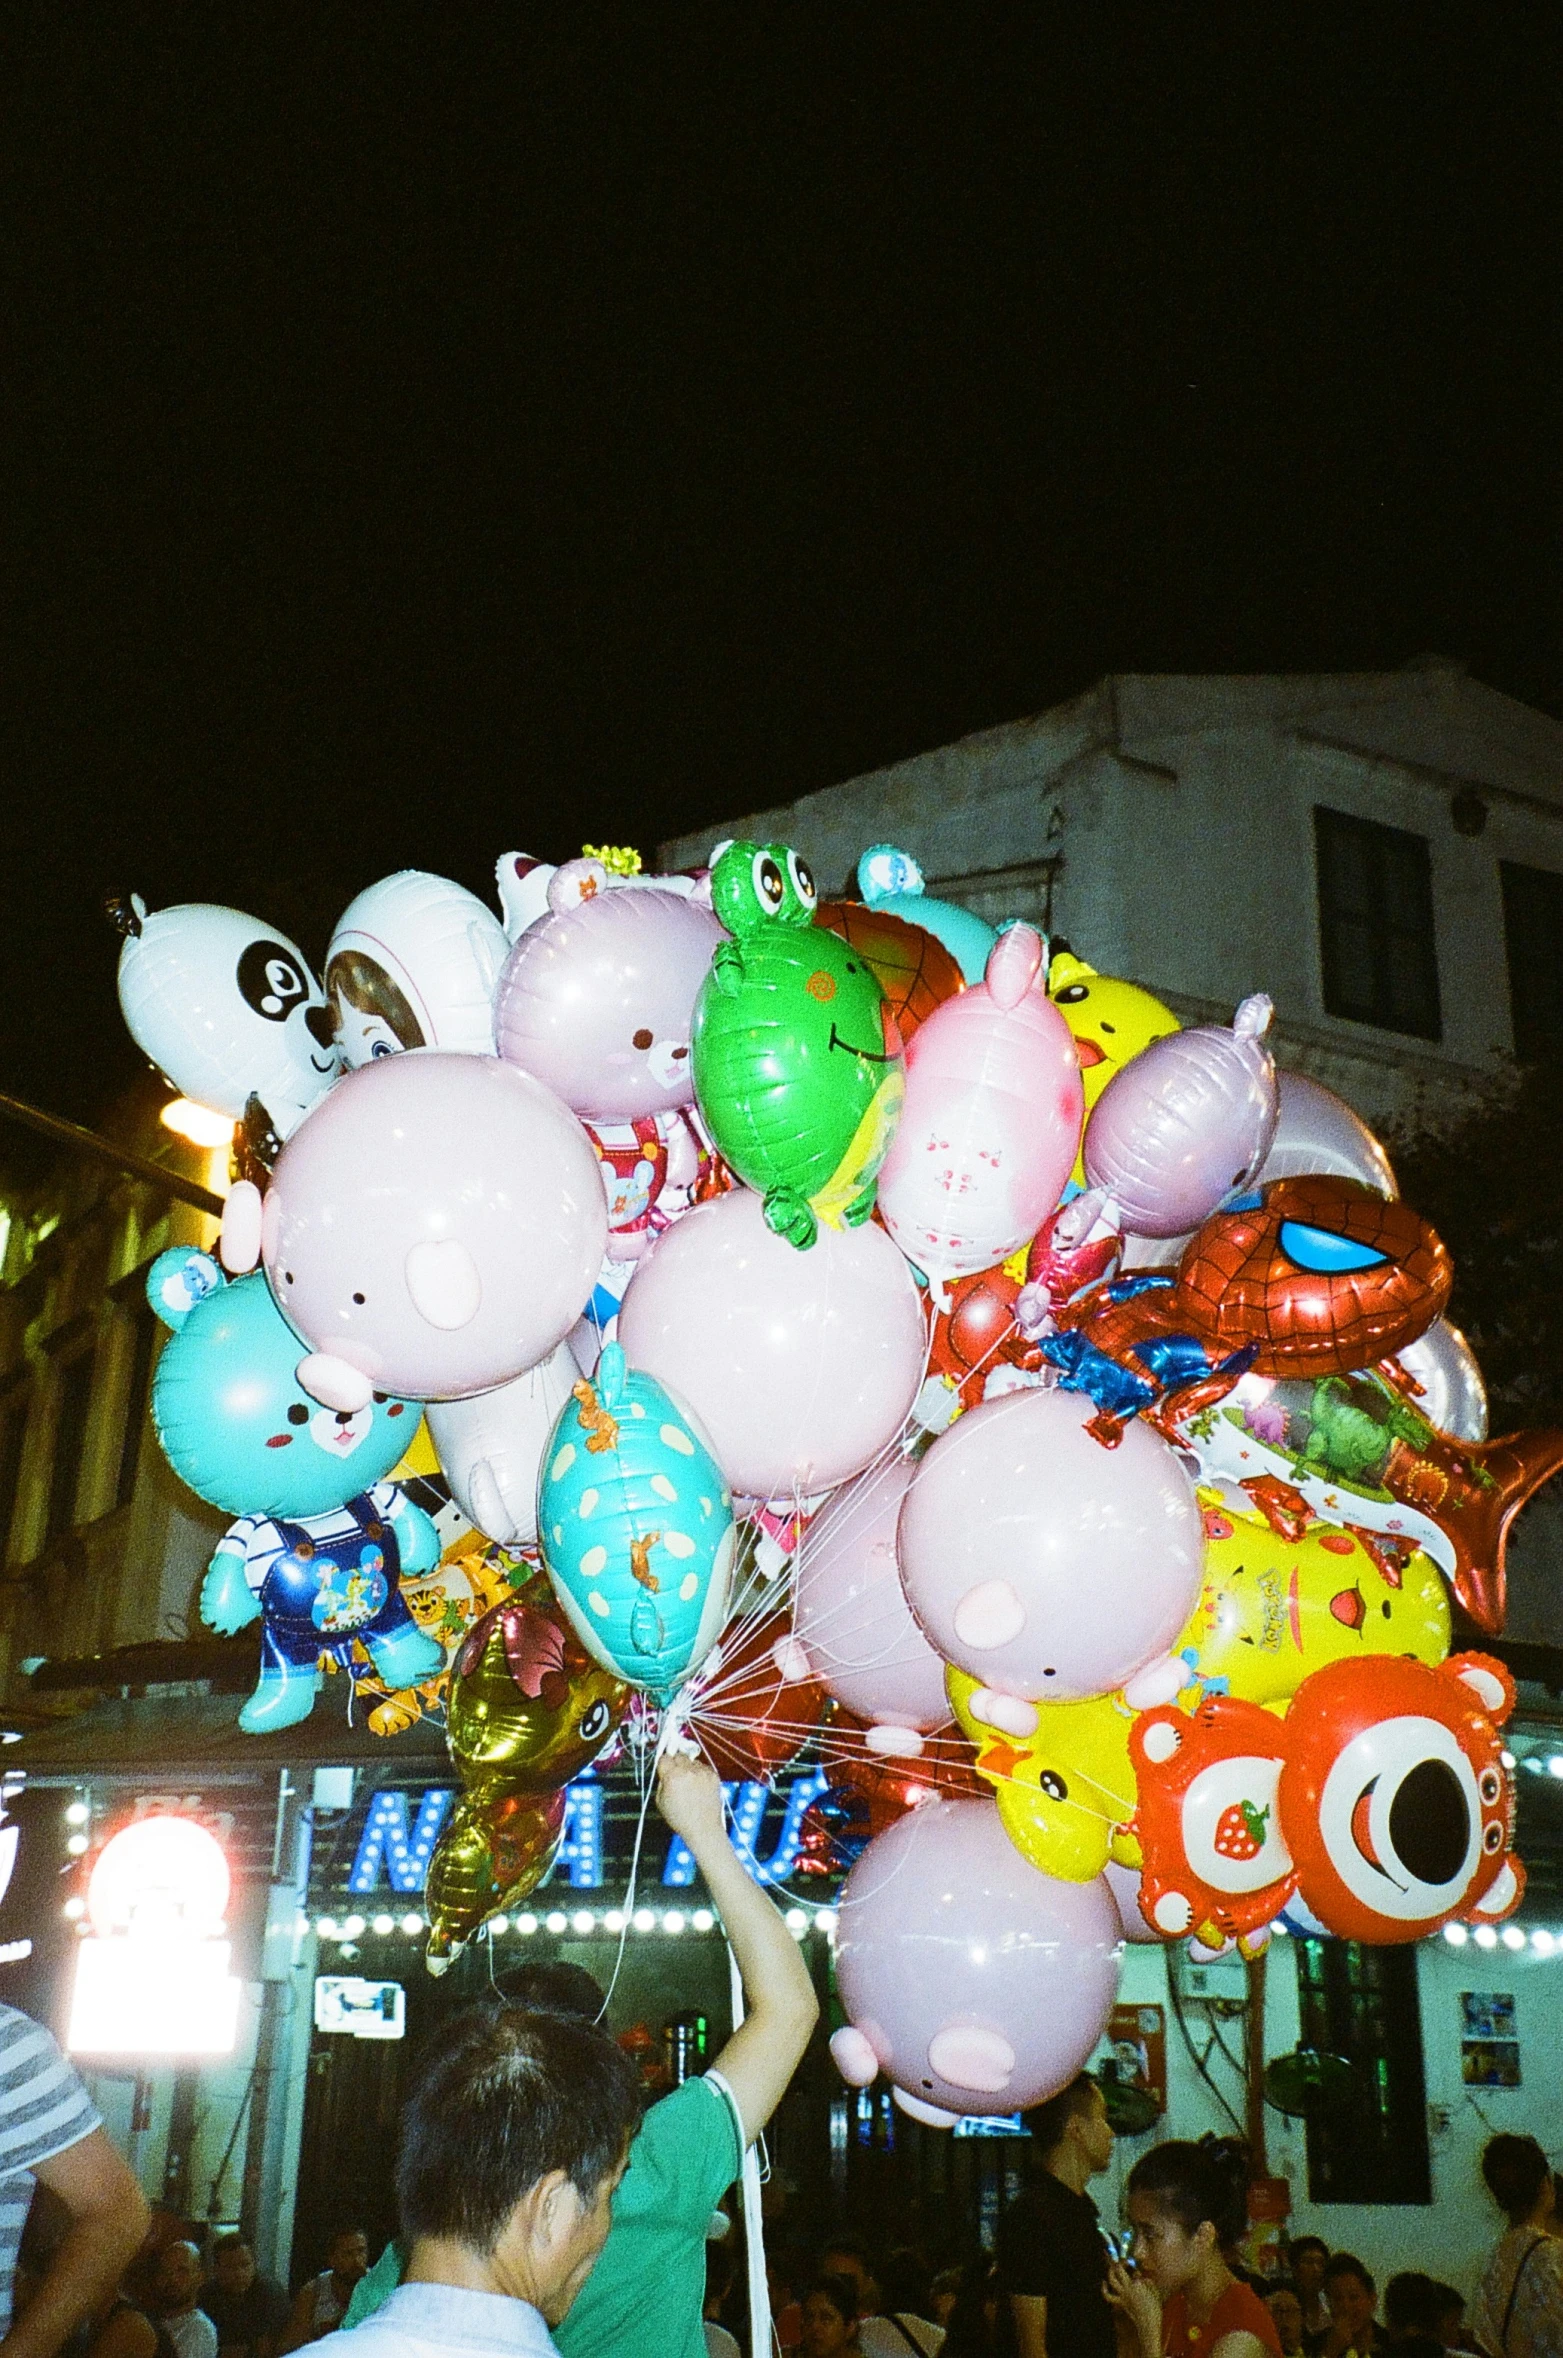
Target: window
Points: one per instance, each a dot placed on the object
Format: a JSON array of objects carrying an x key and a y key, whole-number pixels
[
  {"x": 73, "y": 1398},
  {"x": 1362, "y": 2003},
  {"x": 1376, "y": 925},
  {"x": 137, "y": 1389},
  {"x": 13, "y": 1433},
  {"x": 1533, "y": 936}
]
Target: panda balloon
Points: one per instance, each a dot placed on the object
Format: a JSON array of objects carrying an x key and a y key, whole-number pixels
[{"x": 228, "y": 1009}]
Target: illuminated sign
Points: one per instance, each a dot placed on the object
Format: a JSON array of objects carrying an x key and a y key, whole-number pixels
[
  {"x": 396, "y": 1844},
  {"x": 152, "y": 1978},
  {"x": 360, "y": 2009}
]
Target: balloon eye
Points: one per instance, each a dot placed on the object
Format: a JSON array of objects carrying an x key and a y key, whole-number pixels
[
  {"x": 642, "y": 1038},
  {"x": 769, "y": 883},
  {"x": 380, "y": 1399},
  {"x": 1053, "y": 1785},
  {"x": 1071, "y": 995},
  {"x": 359, "y": 1299},
  {"x": 1493, "y": 1838},
  {"x": 1251, "y": 1202},
  {"x": 298, "y": 1414},
  {"x": 594, "y": 1723},
  {"x": 1490, "y": 1787},
  {"x": 1322, "y": 1250},
  {"x": 803, "y": 879}
]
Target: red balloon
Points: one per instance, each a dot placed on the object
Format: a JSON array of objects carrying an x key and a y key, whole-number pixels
[
  {"x": 913, "y": 969},
  {"x": 751, "y": 1721}
]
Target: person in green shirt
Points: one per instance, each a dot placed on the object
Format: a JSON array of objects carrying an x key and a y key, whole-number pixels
[{"x": 647, "y": 2290}]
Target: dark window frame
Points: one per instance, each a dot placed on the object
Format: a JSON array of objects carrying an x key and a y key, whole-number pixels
[
  {"x": 137, "y": 1401},
  {"x": 15, "y": 1408},
  {"x": 1378, "y": 945},
  {"x": 1533, "y": 952},
  {"x": 70, "y": 1423},
  {"x": 1364, "y": 2003}
]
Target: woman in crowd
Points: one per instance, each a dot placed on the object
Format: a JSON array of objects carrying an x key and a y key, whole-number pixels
[
  {"x": 1518, "y": 2311},
  {"x": 830, "y": 2318},
  {"x": 1178, "y": 2296}
]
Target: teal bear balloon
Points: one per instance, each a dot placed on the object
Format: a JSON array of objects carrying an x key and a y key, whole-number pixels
[{"x": 635, "y": 1522}]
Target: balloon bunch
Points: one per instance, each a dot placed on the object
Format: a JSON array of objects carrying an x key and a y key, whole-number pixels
[{"x": 887, "y": 1340}]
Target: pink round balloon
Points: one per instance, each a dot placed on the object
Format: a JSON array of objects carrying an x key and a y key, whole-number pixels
[
  {"x": 597, "y": 1000},
  {"x": 851, "y": 1616},
  {"x": 991, "y": 1122},
  {"x": 437, "y": 1224},
  {"x": 800, "y": 1366},
  {"x": 1184, "y": 1123},
  {"x": 1043, "y": 1564},
  {"x": 977, "y": 1983}
]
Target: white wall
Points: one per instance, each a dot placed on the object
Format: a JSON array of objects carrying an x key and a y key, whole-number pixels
[{"x": 1450, "y": 2237}]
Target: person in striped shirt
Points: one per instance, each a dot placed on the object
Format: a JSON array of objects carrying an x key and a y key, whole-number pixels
[{"x": 50, "y": 2134}]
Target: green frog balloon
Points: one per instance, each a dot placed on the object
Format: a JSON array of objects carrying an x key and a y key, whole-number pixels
[{"x": 798, "y": 1068}]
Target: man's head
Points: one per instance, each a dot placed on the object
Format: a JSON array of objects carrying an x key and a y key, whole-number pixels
[
  {"x": 1072, "y": 2126},
  {"x": 1284, "y": 2303},
  {"x": 848, "y": 2258},
  {"x": 553, "y": 1987},
  {"x": 1351, "y": 2293},
  {"x": 347, "y": 2255},
  {"x": 233, "y": 2266},
  {"x": 1413, "y": 2304},
  {"x": 512, "y": 2145},
  {"x": 177, "y": 2279},
  {"x": 1309, "y": 2257}
]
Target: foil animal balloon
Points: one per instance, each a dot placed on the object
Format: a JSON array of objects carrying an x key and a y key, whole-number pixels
[
  {"x": 491, "y": 1446},
  {"x": 1046, "y": 1567},
  {"x": 597, "y": 1000},
  {"x": 470, "y": 1252},
  {"x": 1317, "y": 1132},
  {"x": 1355, "y": 1450},
  {"x": 322, "y": 1537},
  {"x": 1111, "y": 1021},
  {"x": 528, "y": 1710},
  {"x": 1380, "y": 1800},
  {"x": 911, "y": 965},
  {"x": 892, "y": 880},
  {"x": 1186, "y": 1122},
  {"x": 991, "y": 1121},
  {"x": 973, "y": 1982},
  {"x": 976, "y": 1348},
  {"x": 412, "y": 964},
  {"x": 635, "y": 1521},
  {"x": 797, "y": 1060},
  {"x": 229, "y": 1009},
  {"x": 1064, "y": 1786}
]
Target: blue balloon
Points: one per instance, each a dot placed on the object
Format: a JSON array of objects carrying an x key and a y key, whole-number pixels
[
  {"x": 635, "y": 1522},
  {"x": 892, "y": 880}
]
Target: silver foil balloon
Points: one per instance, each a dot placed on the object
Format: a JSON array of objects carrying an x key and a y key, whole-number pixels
[{"x": 1452, "y": 1394}]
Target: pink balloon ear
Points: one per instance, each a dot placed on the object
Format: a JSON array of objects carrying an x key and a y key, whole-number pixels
[
  {"x": 1014, "y": 964},
  {"x": 853, "y": 2057},
  {"x": 333, "y": 1382},
  {"x": 239, "y": 1244},
  {"x": 575, "y": 882}
]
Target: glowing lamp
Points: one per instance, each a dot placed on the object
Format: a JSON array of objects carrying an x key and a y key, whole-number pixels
[
  {"x": 160, "y": 1876},
  {"x": 152, "y": 1978},
  {"x": 198, "y": 1123}
]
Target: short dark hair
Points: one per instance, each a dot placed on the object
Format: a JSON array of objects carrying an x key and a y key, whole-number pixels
[
  {"x": 854, "y": 2247},
  {"x": 509, "y": 2096},
  {"x": 1348, "y": 2264},
  {"x": 348, "y": 2227},
  {"x": 551, "y": 1986},
  {"x": 1197, "y": 2182},
  {"x": 232, "y": 2243},
  {"x": 840, "y": 2291},
  {"x": 1048, "y": 2121},
  {"x": 1448, "y": 2298},
  {"x": 1308, "y": 2243},
  {"x": 1515, "y": 2169},
  {"x": 1413, "y": 2303}
]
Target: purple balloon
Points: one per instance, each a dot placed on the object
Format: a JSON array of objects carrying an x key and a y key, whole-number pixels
[
  {"x": 1124, "y": 1884},
  {"x": 1184, "y": 1123},
  {"x": 435, "y": 1225},
  {"x": 1043, "y": 1564},
  {"x": 802, "y": 1367},
  {"x": 852, "y": 1619},
  {"x": 975, "y": 1982}
]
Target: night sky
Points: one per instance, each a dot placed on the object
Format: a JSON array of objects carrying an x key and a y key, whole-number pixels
[{"x": 425, "y": 433}]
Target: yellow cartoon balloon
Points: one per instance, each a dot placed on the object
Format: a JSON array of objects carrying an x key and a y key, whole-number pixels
[
  {"x": 1065, "y": 1790},
  {"x": 1272, "y": 1609},
  {"x": 1111, "y": 1022}
]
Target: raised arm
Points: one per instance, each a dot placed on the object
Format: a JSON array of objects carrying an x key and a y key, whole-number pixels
[
  {"x": 762, "y": 2055},
  {"x": 108, "y": 2220}
]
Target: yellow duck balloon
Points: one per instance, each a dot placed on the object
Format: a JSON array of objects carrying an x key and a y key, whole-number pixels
[
  {"x": 1111, "y": 1022},
  {"x": 1065, "y": 1790},
  {"x": 528, "y": 1710}
]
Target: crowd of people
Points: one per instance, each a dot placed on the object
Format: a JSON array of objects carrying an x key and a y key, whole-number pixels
[{"x": 543, "y": 2214}]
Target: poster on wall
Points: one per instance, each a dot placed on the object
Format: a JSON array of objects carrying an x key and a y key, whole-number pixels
[
  {"x": 1489, "y": 2039},
  {"x": 1131, "y": 2063}
]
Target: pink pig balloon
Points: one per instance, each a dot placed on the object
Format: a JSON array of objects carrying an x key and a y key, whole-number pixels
[
  {"x": 800, "y": 1366},
  {"x": 975, "y": 1982},
  {"x": 991, "y": 1123},
  {"x": 435, "y": 1231},
  {"x": 597, "y": 998},
  {"x": 1039, "y": 1562},
  {"x": 852, "y": 1619},
  {"x": 1184, "y": 1123}
]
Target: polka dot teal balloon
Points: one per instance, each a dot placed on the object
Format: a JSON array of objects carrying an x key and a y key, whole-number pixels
[{"x": 636, "y": 1526}]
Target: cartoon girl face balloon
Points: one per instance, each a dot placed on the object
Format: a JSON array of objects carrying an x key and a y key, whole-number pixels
[
  {"x": 597, "y": 998},
  {"x": 227, "y": 1008},
  {"x": 990, "y": 1123},
  {"x": 413, "y": 964},
  {"x": 1189, "y": 1120}
]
